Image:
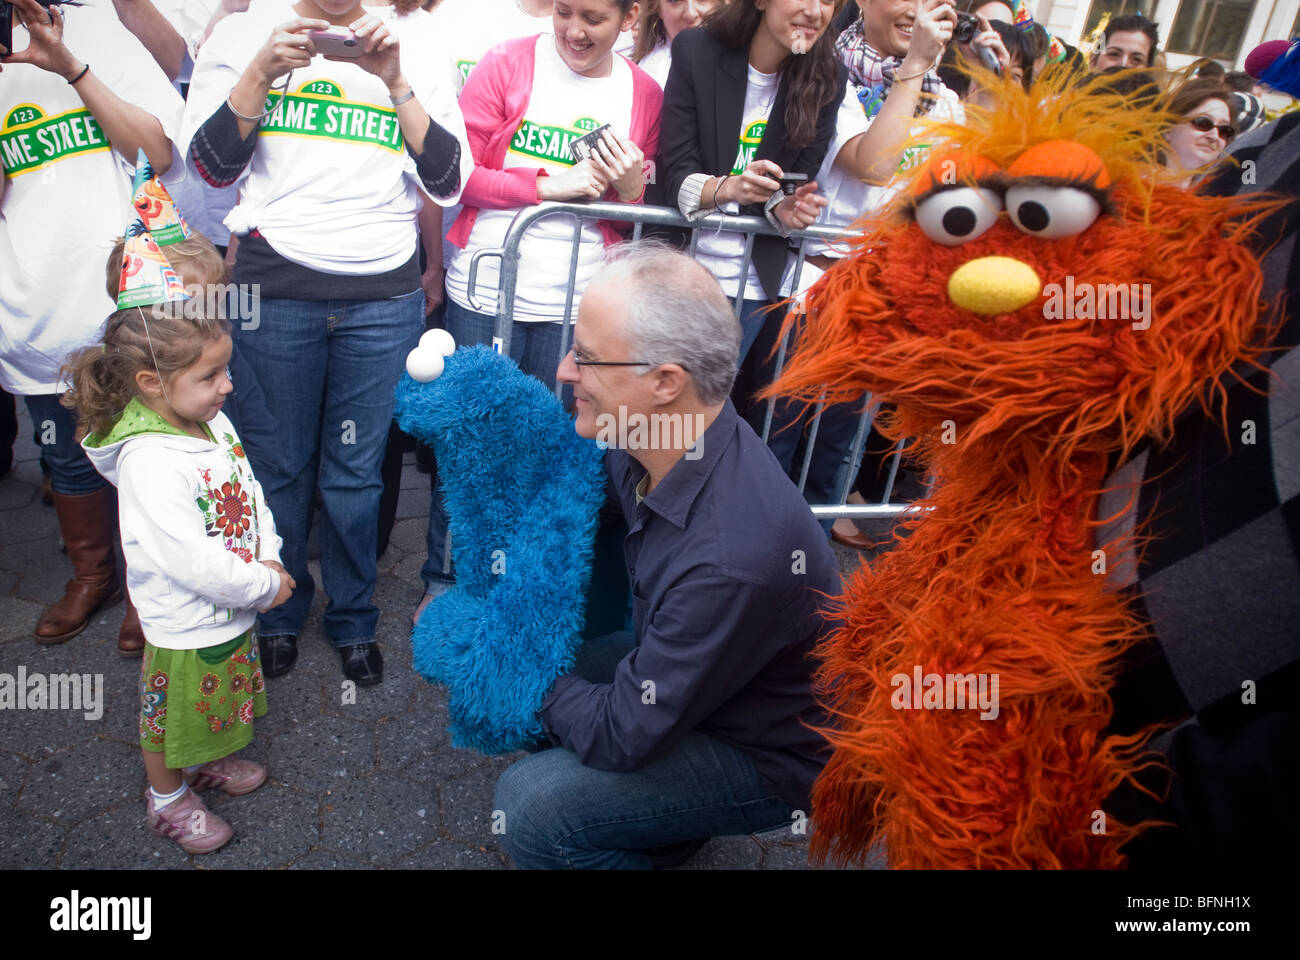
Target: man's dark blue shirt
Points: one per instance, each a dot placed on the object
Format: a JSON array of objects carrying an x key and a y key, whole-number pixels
[{"x": 730, "y": 576}]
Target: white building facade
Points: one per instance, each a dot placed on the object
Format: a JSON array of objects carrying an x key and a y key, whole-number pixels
[{"x": 1224, "y": 30}]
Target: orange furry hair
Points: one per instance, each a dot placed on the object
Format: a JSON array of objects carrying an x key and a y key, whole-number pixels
[{"x": 1016, "y": 416}]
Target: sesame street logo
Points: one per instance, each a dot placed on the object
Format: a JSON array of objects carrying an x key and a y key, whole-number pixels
[
  {"x": 29, "y": 140},
  {"x": 319, "y": 109},
  {"x": 749, "y": 141},
  {"x": 549, "y": 143}
]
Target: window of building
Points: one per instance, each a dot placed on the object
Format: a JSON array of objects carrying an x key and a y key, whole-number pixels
[
  {"x": 1210, "y": 28},
  {"x": 1116, "y": 8}
]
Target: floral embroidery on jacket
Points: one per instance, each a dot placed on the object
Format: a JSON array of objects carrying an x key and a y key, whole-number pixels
[{"x": 230, "y": 510}]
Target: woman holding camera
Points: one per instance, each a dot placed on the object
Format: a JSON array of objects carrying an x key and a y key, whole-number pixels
[
  {"x": 750, "y": 97},
  {"x": 335, "y": 135}
]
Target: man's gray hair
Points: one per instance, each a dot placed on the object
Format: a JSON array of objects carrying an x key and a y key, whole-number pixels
[{"x": 676, "y": 313}]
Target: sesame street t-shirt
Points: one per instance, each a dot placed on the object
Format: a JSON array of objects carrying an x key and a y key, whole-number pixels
[
  {"x": 722, "y": 252},
  {"x": 67, "y": 196},
  {"x": 330, "y": 186},
  {"x": 473, "y": 27},
  {"x": 564, "y": 106}
]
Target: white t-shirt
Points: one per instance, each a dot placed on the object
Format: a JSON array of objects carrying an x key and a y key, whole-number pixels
[
  {"x": 189, "y": 18},
  {"x": 470, "y": 28},
  {"x": 67, "y": 198},
  {"x": 563, "y": 106},
  {"x": 722, "y": 252},
  {"x": 625, "y": 43},
  {"x": 204, "y": 206},
  {"x": 658, "y": 62},
  {"x": 330, "y": 185}
]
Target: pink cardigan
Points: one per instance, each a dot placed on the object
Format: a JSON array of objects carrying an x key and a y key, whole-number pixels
[{"x": 494, "y": 101}]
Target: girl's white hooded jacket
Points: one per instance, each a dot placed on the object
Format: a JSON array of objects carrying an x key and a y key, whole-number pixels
[{"x": 194, "y": 524}]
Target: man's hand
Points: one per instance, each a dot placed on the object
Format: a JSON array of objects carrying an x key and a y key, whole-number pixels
[
  {"x": 931, "y": 33},
  {"x": 802, "y": 208},
  {"x": 581, "y": 181},
  {"x": 620, "y": 162},
  {"x": 45, "y": 49}
]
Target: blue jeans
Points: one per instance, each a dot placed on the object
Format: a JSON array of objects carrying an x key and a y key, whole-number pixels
[
  {"x": 329, "y": 370},
  {"x": 752, "y": 314},
  {"x": 560, "y": 814},
  {"x": 535, "y": 347},
  {"x": 54, "y": 427}
]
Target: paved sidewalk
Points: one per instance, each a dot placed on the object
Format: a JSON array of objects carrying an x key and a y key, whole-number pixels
[{"x": 371, "y": 785}]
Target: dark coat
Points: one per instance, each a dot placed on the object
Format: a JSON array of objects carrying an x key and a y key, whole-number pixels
[{"x": 704, "y": 103}]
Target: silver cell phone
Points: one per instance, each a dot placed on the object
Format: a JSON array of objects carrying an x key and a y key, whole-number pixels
[
  {"x": 336, "y": 43},
  {"x": 585, "y": 145}
]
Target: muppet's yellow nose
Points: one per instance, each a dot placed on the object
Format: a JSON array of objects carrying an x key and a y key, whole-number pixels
[{"x": 992, "y": 285}]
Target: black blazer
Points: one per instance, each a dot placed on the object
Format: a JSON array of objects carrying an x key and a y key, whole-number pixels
[{"x": 699, "y": 131}]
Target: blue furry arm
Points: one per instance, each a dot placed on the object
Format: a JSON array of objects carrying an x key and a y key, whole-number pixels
[{"x": 706, "y": 641}]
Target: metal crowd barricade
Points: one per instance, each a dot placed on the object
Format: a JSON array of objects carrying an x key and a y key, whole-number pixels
[{"x": 640, "y": 216}]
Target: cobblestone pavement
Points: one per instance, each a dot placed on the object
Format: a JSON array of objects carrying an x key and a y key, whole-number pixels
[{"x": 371, "y": 785}]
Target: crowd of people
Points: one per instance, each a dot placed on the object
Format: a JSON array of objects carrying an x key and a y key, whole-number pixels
[{"x": 352, "y": 188}]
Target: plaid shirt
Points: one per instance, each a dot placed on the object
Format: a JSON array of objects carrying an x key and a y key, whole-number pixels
[{"x": 1220, "y": 582}]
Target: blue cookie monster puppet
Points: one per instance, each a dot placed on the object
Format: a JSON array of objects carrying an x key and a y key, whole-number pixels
[{"x": 522, "y": 492}]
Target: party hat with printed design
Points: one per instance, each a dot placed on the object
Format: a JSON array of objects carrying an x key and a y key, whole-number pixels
[
  {"x": 161, "y": 217},
  {"x": 147, "y": 277}
]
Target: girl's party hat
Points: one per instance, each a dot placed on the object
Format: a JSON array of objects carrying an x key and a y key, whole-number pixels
[
  {"x": 147, "y": 277},
  {"x": 161, "y": 217}
]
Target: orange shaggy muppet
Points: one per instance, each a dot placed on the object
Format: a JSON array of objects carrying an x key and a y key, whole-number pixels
[{"x": 985, "y": 312}]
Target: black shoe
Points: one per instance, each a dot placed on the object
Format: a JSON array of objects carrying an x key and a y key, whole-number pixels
[
  {"x": 363, "y": 664},
  {"x": 279, "y": 653},
  {"x": 674, "y": 854}
]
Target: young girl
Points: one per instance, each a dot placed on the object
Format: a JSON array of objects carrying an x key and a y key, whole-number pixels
[{"x": 201, "y": 550}]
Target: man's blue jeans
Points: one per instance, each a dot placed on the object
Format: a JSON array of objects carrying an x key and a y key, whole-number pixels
[
  {"x": 535, "y": 347},
  {"x": 329, "y": 370},
  {"x": 559, "y": 814}
]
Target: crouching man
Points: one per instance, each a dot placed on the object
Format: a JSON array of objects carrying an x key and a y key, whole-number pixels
[{"x": 698, "y": 723}]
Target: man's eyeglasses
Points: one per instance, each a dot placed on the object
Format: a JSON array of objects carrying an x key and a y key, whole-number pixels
[
  {"x": 580, "y": 361},
  {"x": 1205, "y": 125}
]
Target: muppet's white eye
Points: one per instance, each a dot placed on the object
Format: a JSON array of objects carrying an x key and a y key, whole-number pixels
[
  {"x": 1051, "y": 212},
  {"x": 953, "y": 217}
]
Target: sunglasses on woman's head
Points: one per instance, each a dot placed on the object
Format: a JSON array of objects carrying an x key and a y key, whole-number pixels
[{"x": 1205, "y": 125}]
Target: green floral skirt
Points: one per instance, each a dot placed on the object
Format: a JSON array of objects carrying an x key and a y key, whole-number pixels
[{"x": 199, "y": 705}]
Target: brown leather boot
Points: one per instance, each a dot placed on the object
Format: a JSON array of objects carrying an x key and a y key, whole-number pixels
[
  {"x": 87, "y": 523},
  {"x": 130, "y": 638}
]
